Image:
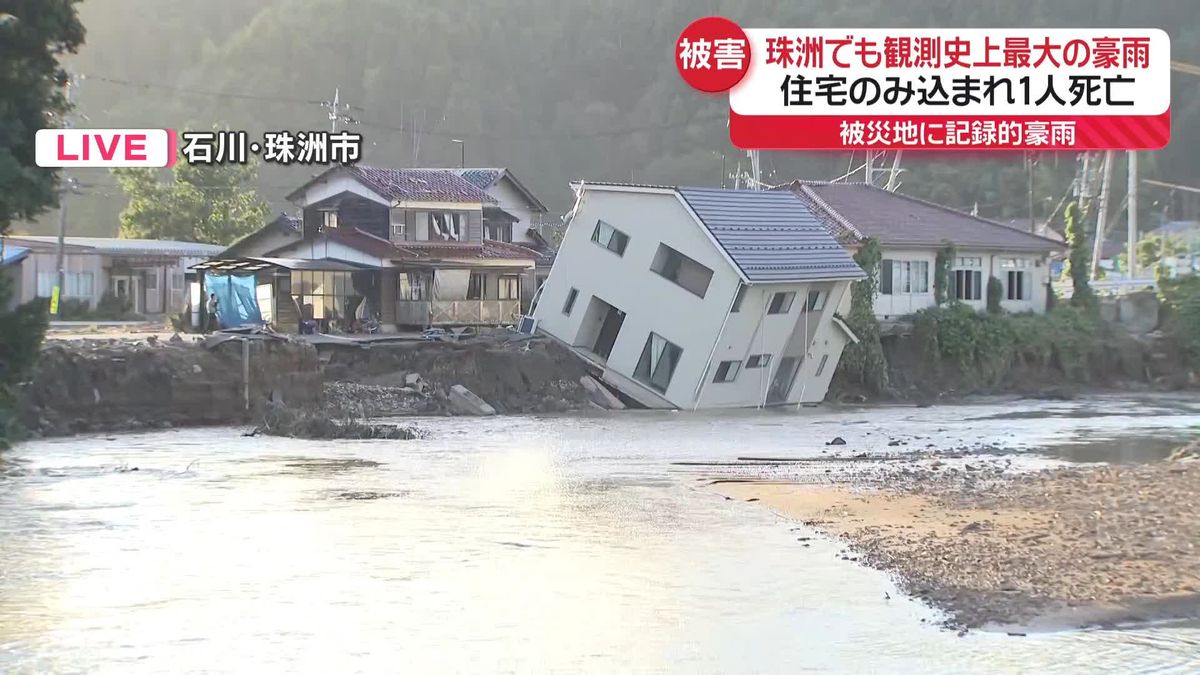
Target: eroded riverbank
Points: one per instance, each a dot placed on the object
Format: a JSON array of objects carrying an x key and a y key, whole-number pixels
[{"x": 996, "y": 545}]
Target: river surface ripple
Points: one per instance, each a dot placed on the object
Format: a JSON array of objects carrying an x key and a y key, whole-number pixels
[{"x": 507, "y": 544}]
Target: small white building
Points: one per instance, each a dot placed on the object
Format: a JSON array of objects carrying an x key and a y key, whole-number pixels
[
  {"x": 700, "y": 298},
  {"x": 910, "y": 233}
]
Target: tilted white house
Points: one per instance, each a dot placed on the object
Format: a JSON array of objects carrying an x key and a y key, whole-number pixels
[{"x": 700, "y": 298}]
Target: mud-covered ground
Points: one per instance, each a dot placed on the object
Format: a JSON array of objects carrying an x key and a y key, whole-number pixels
[{"x": 997, "y": 546}]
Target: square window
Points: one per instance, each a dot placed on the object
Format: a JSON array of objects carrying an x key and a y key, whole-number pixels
[
  {"x": 781, "y": 303},
  {"x": 727, "y": 371},
  {"x": 610, "y": 237}
]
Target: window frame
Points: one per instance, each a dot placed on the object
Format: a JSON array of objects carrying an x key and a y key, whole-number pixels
[
  {"x": 738, "y": 298},
  {"x": 615, "y": 236},
  {"x": 727, "y": 371},
  {"x": 569, "y": 303},
  {"x": 477, "y": 286},
  {"x": 756, "y": 361},
  {"x": 647, "y": 371},
  {"x": 815, "y": 304},
  {"x": 669, "y": 263},
  {"x": 784, "y": 308},
  {"x": 975, "y": 286},
  {"x": 508, "y": 287}
]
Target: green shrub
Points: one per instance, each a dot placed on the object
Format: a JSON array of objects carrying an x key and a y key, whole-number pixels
[
  {"x": 1180, "y": 299},
  {"x": 995, "y": 292},
  {"x": 984, "y": 348}
]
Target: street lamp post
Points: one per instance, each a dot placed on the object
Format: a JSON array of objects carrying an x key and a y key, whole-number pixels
[{"x": 462, "y": 152}]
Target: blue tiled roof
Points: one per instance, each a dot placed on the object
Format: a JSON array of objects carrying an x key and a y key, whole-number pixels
[
  {"x": 480, "y": 178},
  {"x": 771, "y": 235},
  {"x": 10, "y": 254}
]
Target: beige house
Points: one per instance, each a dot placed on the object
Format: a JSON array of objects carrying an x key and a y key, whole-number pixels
[{"x": 148, "y": 274}]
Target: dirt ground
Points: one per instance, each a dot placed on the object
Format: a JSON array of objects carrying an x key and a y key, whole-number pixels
[{"x": 998, "y": 548}]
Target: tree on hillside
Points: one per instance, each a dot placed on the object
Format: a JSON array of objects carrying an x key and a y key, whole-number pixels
[
  {"x": 215, "y": 203},
  {"x": 33, "y": 35}
]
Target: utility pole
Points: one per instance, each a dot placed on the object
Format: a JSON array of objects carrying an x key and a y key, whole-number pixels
[
  {"x": 66, "y": 188},
  {"x": 1131, "y": 234},
  {"x": 892, "y": 184},
  {"x": 1102, "y": 217},
  {"x": 1029, "y": 176},
  {"x": 338, "y": 111}
]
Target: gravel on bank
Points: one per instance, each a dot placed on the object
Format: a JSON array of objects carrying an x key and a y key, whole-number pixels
[{"x": 994, "y": 547}]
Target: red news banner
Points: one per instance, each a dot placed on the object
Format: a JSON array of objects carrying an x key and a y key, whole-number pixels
[{"x": 934, "y": 89}]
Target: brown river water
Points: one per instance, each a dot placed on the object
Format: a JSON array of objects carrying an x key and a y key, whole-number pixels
[{"x": 515, "y": 544}]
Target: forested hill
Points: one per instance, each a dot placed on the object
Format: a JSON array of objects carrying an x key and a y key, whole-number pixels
[{"x": 554, "y": 89}]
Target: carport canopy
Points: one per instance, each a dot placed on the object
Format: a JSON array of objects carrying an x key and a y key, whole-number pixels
[{"x": 251, "y": 265}]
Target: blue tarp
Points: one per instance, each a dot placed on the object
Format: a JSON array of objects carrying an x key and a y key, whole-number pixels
[{"x": 237, "y": 302}]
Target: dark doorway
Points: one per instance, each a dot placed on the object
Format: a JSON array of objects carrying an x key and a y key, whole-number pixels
[
  {"x": 785, "y": 377},
  {"x": 608, "y": 332}
]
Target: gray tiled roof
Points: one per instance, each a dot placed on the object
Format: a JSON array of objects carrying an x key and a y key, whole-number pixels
[
  {"x": 771, "y": 236},
  {"x": 857, "y": 211},
  {"x": 419, "y": 184}
]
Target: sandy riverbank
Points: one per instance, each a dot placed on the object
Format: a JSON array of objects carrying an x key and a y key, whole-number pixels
[{"x": 1059, "y": 548}]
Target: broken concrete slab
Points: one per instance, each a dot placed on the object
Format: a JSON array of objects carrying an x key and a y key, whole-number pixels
[
  {"x": 600, "y": 395},
  {"x": 467, "y": 403}
]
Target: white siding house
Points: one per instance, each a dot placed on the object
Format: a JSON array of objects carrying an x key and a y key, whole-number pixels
[
  {"x": 910, "y": 233},
  {"x": 700, "y": 298}
]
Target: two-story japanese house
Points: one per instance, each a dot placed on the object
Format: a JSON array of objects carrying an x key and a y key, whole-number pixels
[{"x": 406, "y": 244}]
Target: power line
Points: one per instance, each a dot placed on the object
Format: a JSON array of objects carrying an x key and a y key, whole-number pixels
[{"x": 203, "y": 92}]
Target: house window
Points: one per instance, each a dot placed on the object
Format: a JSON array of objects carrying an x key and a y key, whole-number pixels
[
  {"x": 79, "y": 285},
  {"x": 737, "y": 299},
  {"x": 446, "y": 226},
  {"x": 727, "y": 371},
  {"x": 758, "y": 361},
  {"x": 510, "y": 287},
  {"x": 781, "y": 303},
  {"x": 816, "y": 301},
  {"x": 498, "y": 231},
  {"x": 1020, "y": 286},
  {"x": 968, "y": 284},
  {"x": 411, "y": 286},
  {"x": 821, "y": 365},
  {"x": 177, "y": 281},
  {"x": 904, "y": 277},
  {"x": 399, "y": 231},
  {"x": 657, "y": 364},
  {"x": 477, "y": 286},
  {"x": 610, "y": 237},
  {"x": 677, "y": 267},
  {"x": 329, "y": 219},
  {"x": 325, "y": 295},
  {"x": 969, "y": 261},
  {"x": 570, "y": 303},
  {"x": 45, "y": 284},
  {"x": 151, "y": 281},
  {"x": 1014, "y": 263}
]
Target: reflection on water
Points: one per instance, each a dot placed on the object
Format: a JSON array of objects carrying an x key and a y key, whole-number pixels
[{"x": 503, "y": 544}]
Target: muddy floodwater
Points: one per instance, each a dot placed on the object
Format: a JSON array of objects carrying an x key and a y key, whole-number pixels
[{"x": 509, "y": 544}]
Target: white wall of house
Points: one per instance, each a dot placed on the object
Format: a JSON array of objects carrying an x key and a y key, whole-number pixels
[
  {"x": 754, "y": 331},
  {"x": 321, "y": 247},
  {"x": 1027, "y": 292},
  {"x": 336, "y": 184},
  {"x": 655, "y": 304},
  {"x": 512, "y": 201},
  {"x": 269, "y": 242}
]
